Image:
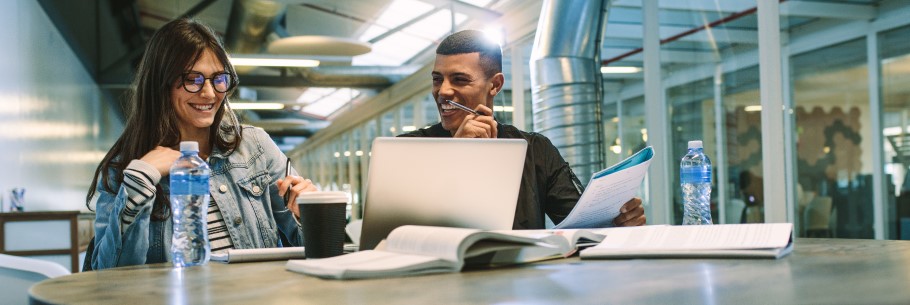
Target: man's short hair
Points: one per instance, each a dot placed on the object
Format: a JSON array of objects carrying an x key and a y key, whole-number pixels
[{"x": 473, "y": 41}]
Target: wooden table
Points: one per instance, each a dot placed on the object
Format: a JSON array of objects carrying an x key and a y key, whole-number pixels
[{"x": 819, "y": 271}]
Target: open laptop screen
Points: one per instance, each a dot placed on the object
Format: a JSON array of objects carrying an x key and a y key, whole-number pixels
[{"x": 471, "y": 183}]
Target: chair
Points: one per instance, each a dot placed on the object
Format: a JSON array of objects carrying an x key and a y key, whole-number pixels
[
  {"x": 17, "y": 274},
  {"x": 817, "y": 217},
  {"x": 734, "y": 211}
]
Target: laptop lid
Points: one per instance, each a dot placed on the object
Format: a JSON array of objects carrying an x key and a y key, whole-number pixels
[{"x": 470, "y": 183}]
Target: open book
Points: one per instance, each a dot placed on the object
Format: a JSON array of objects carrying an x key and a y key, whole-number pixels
[
  {"x": 413, "y": 250},
  {"x": 758, "y": 240},
  {"x": 567, "y": 241},
  {"x": 258, "y": 255},
  {"x": 607, "y": 191}
]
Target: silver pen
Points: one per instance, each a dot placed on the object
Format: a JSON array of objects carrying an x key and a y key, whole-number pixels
[{"x": 462, "y": 107}]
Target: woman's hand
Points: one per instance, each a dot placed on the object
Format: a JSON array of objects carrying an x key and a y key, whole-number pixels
[
  {"x": 162, "y": 158},
  {"x": 298, "y": 185}
]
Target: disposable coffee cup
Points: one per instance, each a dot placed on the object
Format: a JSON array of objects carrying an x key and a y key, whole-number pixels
[{"x": 323, "y": 216}]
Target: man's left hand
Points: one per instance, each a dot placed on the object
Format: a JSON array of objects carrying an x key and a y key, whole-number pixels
[{"x": 631, "y": 214}]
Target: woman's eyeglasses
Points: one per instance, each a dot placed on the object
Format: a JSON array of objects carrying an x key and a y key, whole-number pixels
[{"x": 194, "y": 81}]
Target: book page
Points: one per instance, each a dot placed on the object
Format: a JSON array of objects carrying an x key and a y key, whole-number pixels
[
  {"x": 729, "y": 236},
  {"x": 607, "y": 192},
  {"x": 370, "y": 263},
  {"x": 441, "y": 242}
]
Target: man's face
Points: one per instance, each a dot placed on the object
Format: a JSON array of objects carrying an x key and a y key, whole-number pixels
[{"x": 460, "y": 78}]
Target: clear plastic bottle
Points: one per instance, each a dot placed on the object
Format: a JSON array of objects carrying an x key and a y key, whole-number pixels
[
  {"x": 695, "y": 180},
  {"x": 189, "y": 205}
]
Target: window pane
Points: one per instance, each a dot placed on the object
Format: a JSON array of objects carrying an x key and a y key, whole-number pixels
[{"x": 834, "y": 158}]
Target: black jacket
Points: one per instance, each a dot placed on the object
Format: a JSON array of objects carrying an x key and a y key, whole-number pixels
[{"x": 548, "y": 185}]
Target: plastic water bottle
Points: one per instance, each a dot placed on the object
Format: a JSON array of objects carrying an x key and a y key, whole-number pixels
[
  {"x": 695, "y": 180},
  {"x": 189, "y": 205}
]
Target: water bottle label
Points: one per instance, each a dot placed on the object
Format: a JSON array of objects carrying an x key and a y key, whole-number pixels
[
  {"x": 189, "y": 185},
  {"x": 695, "y": 175}
]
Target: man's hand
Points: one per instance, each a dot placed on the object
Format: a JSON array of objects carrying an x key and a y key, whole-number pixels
[
  {"x": 631, "y": 214},
  {"x": 478, "y": 126}
]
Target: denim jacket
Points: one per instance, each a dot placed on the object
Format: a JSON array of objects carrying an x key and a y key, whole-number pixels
[{"x": 242, "y": 183}]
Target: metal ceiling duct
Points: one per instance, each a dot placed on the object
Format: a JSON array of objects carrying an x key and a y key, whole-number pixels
[
  {"x": 566, "y": 81},
  {"x": 250, "y": 22}
]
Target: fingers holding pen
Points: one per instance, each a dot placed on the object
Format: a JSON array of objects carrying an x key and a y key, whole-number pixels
[
  {"x": 482, "y": 125},
  {"x": 296, "y": 185},
  {"x": 292, "y": 186}
]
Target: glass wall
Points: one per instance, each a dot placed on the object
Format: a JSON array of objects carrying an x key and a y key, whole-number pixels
[
  {"x": 711, "y": 91},
  {"x": 833, "y": 130},
  {"x": 894, "y": 54}
]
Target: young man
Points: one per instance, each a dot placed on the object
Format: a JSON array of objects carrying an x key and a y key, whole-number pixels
[{"x": 468, "y": 71}]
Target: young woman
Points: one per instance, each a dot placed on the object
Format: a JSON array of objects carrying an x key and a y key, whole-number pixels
[{"x": 181, "y": 90}]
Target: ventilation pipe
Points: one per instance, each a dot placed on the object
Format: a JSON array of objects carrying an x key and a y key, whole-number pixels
[{"x": 566, "y": 81}]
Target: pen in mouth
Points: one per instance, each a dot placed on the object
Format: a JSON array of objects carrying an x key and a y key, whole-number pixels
[{"x": 462, "y": 107}]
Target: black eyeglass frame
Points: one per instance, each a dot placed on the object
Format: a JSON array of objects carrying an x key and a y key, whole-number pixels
[{"x": 232, "y": 81}]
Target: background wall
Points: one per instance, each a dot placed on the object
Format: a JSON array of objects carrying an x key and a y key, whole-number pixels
[{"x": 54, "y": 129}]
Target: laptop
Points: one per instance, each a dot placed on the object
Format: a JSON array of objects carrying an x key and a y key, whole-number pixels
[{"x": 469, "y": 183}]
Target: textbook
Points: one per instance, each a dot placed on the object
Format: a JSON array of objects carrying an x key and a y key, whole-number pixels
[
  {"x": 755, "y": 240},
  {"x": 415, "y": 250},
  {"x": 567, "y": 241},
  {"x": 258, "y": 255},
  {"x": 607, "y": 191}
]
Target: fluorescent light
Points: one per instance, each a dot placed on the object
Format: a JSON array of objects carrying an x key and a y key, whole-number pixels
[
  {"x": 408, "y": 128},
  {"x": 257, "y": 106},
  {"x": 273, "y": 62},
  {"x": 753, "y": 108},
  {"x": 619, "y": 70},
  {"x": 504, "y": 108}
]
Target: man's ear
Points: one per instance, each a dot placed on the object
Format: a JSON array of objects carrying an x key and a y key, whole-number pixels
[{"x": 498, "y": 81}]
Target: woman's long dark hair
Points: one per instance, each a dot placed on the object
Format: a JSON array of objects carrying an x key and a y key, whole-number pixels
[{"x": 151, "y": 119}]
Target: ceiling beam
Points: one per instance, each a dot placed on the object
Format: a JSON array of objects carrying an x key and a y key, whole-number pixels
[
  {"x": 404, "y": 25},
  {"x": 471, "y": 11},
  {"x": 634, "y": 31},
  {"x": 722, "y": 6},
  {"x": 828, "y": 10},
  {"x": 666, "y": 56}
]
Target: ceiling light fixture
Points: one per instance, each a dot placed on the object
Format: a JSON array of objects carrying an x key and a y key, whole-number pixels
[
  {"x": 272, "y": 61},
  {"x": 753, "y": 108},
  {"x": 503, "y": 109},
  {"x": 257, "y": 106},
  {"x": 619, "y": 70}
]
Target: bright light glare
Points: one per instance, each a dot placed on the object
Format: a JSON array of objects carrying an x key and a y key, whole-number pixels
[
  {"x": 619, "y": 70},
  {"x": 408, "y": 128},
  {"x": 257, "y": 106},
  {"x": 753, "y": 108},
  {"x": 494, "y": 34},
  {"x": 503, "y": 108},
  {"x": 273, "y": 62}
]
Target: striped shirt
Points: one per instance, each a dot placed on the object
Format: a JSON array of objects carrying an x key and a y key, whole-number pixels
[{"x": 219, "y": 239}]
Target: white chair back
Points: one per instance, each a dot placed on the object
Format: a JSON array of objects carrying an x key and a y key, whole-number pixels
[{"x": 17, "y": 274}]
